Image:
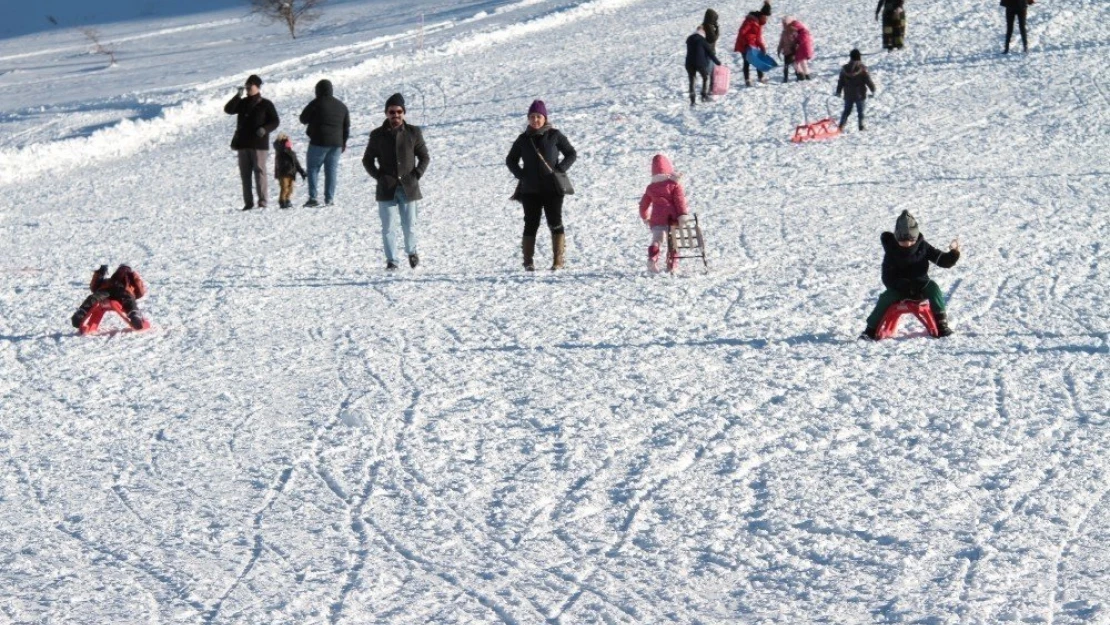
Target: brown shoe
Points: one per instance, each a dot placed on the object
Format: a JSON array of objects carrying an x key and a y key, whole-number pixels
[
  {"x": 528, "y": 246},
  {"x": 558, "y": 249}
]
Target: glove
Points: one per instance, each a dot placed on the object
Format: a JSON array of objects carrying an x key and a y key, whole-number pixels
[
  {"x": 261, "y": 132},
  {"x": 242, "y": 90},
  {"x": 102, "y": 271}
]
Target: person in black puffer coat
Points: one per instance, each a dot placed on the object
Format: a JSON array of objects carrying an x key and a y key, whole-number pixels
[
  {"x": 533, "y": 159},
  {"x": 257, "y": 118},
  {"x": 710, "y": 24},
  {"x": 906, "y": 261},
  {"x": 699, "y": 55},
  {"x": 329, "y": 127},
  {"x": 854, "y": 82},
  {"x": 1016, "y": 9}
]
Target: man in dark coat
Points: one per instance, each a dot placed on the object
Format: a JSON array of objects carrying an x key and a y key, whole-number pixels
[
  {"x": 1016, "y": 9},
  {"x": 698, "y": 56},
  {"x": 329, "y": 127},
  {"x": 257, "y": 118},
  {"x": 906, "y": 258},
  {"x": 397, "y": 158},
  {"x": 854, "y": 82}
]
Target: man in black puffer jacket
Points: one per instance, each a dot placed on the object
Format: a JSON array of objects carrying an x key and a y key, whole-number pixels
[
  {"x": 329, "y": 127},
  {"x": 906, "y": 261},
  {"x": 257, "y": 118}
]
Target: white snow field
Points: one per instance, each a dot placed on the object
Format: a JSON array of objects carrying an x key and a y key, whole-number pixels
[{"x": 303, "y": 437}]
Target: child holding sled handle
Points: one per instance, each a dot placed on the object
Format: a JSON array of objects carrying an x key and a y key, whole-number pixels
[
  {"x": 125, "y": 286},
  {"x": 662, "y": 205},
  {"x": 906, "y": 261}
]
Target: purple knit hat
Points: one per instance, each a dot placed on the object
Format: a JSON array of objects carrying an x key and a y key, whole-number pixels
[{"x": 538, "y": 107}]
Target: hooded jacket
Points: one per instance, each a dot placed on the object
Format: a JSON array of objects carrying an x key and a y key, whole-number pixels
[
  {"x": 253, "y": 112},
  {"x": 712, "y": 28},
  {"x": 396, "y": 156},
  {"x": 750, "y": 35},
  {"x": 788, "y": 40},
  {"x": 286, "y": 163},
  {"x": 906, "y": 269},
  {"x": 804, "y": 49},
  {"x": 664, "y": 201},
  {"x": 526, "y": 166},
  {"x": 328, "y": 121},
  {"x": 699, "y": 53},
  {"x": 854, "y": 82}
]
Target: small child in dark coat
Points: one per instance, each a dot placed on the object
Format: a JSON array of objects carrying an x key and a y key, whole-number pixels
[
  {"x": 854, "y": 82},
  {"x": 286, "y": 168},
  {"x": 125, "y": 286},
  {"x": 906, "y": 261}
]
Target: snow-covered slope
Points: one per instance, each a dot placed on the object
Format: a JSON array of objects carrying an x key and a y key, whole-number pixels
[{"x": 304, "y": 438}]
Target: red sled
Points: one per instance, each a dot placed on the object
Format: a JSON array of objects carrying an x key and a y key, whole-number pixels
[
  {"x": 720, "y": 80},
  {"x": 920, "y": 309},
  {"x": 92, "y": 320},
  {"x": 824, "y": 129}
]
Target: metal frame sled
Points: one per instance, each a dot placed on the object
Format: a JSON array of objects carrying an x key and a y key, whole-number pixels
[
  {"x": 822, "y": 129},
  {"x": 92, "y": 320},
  {"x": 918, "y": 308},
  {"x": 685, "y": 236}
]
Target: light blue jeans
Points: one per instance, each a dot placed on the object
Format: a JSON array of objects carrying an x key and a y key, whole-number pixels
[
  {"x": 392, "y": 211},
  {"x": 328, "y": 157}
]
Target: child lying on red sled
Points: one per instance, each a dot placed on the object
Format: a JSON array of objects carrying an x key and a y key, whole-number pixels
[
  {"x": 906, "y": 273},
  {"x": 124, "y": 287}
]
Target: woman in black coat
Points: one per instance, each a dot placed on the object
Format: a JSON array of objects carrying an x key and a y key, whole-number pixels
[
  {"x": 1016, "y": 9},
  {"x": 534, "y": 160}
]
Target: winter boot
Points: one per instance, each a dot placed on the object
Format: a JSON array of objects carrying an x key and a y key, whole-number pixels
[
  {"x": 672, "y": 259},
  {"x": 941, "y": 317},
  {"x": 869, "y": 334},
  {"x": 558, "y": 250},
  {"x": 653, "y": 258},
  {"x": 135, "y": 320},
  {"x": 414, "y": 260},
  {"x": 528, "y": 245},
  {"x": 311, "y": 203},
  {"x": 79, "y": 317}
]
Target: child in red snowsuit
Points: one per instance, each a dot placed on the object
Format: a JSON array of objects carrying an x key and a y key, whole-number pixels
[
  {"x": 662, "y": 205},
  {"x": 125, "y": 286}
]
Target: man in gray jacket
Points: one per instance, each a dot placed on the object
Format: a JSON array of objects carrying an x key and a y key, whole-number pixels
[{"x": 396, "y": 157}]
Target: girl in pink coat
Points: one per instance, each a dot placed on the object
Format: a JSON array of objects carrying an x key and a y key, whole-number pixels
[
  {"x": 803, "y": 51},
  {"x": 663, "y": 203}
]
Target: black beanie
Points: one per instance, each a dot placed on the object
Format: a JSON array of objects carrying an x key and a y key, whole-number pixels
[
  {"x": 396, "y": 100},
  {"x": 855, "y": 55},
  {"x": 766, "y": 10},
  {"x": 255, "y": 80}
]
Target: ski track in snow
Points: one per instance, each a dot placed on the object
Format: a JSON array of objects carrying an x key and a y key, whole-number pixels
[{"x": 304, "y": 438}]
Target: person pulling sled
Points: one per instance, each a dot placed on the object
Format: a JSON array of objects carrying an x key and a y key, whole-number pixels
[
  {"x": 662, "y": 205},
  {"x": 123, "y": 288},
  {"x": 906, "y": 261}
]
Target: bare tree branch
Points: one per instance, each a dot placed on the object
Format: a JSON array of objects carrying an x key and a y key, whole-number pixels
[
  {"x": 98, "y": 48},
  {"x": 292, "y": 13}
]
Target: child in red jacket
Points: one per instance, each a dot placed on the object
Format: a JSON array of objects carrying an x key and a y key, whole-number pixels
[
  {"x": 663, "y": 204},
  {"x": 125, "y": 286}
]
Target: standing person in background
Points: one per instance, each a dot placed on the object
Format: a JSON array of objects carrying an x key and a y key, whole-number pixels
[
  {"x": 286, "y": 168},
  {"x": 699, "y": 56},
  {"x": 712, "y": 34},
  {"x": 397, "y": 158},
  {"x": 894, "y": 23},
  {"x": 853, "y": 83},
  {"x": 803, "y": 52},
  {"x": 788, "y": 42},
  {"x": 1016, "y": 9},
  {"x": 257, "y": 118},
  {"x": 534, "y": 159},
  {"x": 751, "y": 36},
  {"x": 329, "y": 127}
]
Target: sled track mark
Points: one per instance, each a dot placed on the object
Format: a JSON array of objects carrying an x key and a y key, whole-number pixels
[{"x": 358, "y": 526}]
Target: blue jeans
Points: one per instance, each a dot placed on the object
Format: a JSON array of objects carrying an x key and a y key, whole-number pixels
[
  {"x": 328, "y": 157},
  {"x": 848, "y": 111},
  {"x": 399, "y": 208}
]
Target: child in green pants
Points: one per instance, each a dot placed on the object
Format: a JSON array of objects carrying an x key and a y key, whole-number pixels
[{"x": 906, "y": 261}]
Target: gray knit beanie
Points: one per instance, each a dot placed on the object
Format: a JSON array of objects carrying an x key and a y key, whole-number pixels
[{"x": 905, "y": 229}]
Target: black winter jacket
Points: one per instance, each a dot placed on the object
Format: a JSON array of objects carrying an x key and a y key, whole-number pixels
[
  {"x": 712, "y": 28},
  {"x": 906, "y": 269},
  {"x": 854, "y": 82},
  {"x": 286, "y": 163},
  {"x": 526, "y": 166},
  {"x": 329, "y": 122},
  {"x": 1016, "y": 5},
  {"x": 699, "y": 52},
  {"x": 254, "y": 112},
  {"x": 396, "y": 155}
]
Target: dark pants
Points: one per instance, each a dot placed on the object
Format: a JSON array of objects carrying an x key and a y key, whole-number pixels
[
  {"x": 691, "y": 72},
  {"x": 119, "y": 295},
  {"x": 252, "y": 170},
  {"x": 894, "y": 28},
  {"x": 747, "y": 72},
  {"x": 786, "y": 62},
  {"x": 889, "y": 297},
  {"x": 536, "y": 205},
  {"x": 1020, "y": 15},
  {"x": 848, "y": 104}
]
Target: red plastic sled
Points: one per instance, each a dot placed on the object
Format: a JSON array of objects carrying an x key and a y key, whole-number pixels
[
  {"x": 92, "y": 321},
  {"x": 823, "y": 129},
  {"x": 920, "y": 309}
]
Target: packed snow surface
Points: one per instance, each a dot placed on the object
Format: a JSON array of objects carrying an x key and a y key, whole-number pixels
[{"x": 305, "y": 438}]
